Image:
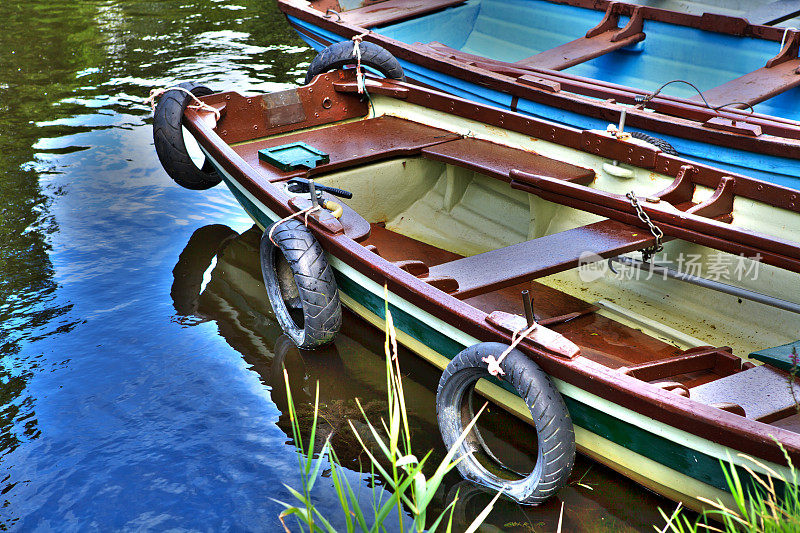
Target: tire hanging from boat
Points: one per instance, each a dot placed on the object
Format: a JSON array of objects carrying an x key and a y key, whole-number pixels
[
  {"x": 556, "y": 437},
  {"x": 341, "y": 54},
  {"x": 170, "y": 144},
  {"x": 661, "y": 144},
  {"x": 300, "y": 285}
]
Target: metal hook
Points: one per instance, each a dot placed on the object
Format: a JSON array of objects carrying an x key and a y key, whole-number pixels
[{"x": 331, "y": 11}]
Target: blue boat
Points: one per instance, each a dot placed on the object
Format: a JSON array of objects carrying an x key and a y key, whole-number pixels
[{"x": 583, "y": 63}]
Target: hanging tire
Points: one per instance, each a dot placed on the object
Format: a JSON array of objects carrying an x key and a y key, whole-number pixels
[
  {"x": 341, "y": 54},
  {"x": 300, "y": 285},
  {"x": 171, "y": 145},
  {"x": 556, "y": 437},
  {"x": 661, "y": 144}
]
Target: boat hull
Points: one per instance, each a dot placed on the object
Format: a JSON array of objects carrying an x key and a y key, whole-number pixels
[
  {"x": 672, "y": 462},
  {"x": 783, "y": 171}
]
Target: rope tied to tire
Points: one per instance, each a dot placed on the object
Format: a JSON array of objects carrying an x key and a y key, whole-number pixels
[
  {"x": 357, "y": 53},
  {"x": 307, "y": 211},
  {"x": 493, "y": 365},
  {"x": 155, "y": 94}
]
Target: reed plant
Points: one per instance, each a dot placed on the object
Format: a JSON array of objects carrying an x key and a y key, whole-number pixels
[
  {"x": 760, "y": 506},
  {"x": 392, "y": 460}
]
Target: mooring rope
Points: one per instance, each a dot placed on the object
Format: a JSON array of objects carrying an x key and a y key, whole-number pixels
[
  {"x": 307, "y": 211},
  {"x": 493, "y": 365},
  {"x": 357, "y": 53},
  {"x": 158, "y": 93}
]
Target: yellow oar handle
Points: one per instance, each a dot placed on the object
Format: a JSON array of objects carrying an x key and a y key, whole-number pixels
[{"x": 334, "y": 208}]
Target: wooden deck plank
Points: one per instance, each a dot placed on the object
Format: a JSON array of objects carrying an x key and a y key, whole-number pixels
[
  {"x": 393, "y": 11},
  {"x": 541, "y": 257}
]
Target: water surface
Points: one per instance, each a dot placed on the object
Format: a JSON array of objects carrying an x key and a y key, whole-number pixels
[{"x": 139, "y": 362}]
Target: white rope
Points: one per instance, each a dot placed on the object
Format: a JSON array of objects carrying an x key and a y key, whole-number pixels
[
  {"x": 357, "y": 53},
  {"x": 493, "y": 365},
  {"x": 783, "y": 41},
  {"x": 158, "y": 93},
  {"x": 307, "y": 211}
]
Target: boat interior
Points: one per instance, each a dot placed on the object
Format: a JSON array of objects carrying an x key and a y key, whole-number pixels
[
  {"x": 434, "y": 196},
  {"x": 529, "y": 38}
]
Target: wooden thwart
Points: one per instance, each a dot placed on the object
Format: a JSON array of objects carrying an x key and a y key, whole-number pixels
[
  {"x": 780, "y": 74},
  {"x": 763, "y": 392},
  {"x": 606, "y": 37},
  {"x": 541, "y": 257},
  {"x": 497, "y": 160}
]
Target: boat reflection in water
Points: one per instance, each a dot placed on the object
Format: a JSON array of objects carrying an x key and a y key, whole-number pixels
[{"x": 353, "y": 367}]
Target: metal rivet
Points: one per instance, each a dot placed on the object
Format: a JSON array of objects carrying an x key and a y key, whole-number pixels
[
  {"x": 793, "y": 197},
  {"x": 224, "y": 132},
  {"x": 310, "y": 90},
  {"x": 255, "y": 127},
  {"x": 316, "y": 115},
  {"x": 227, "y": 97},
  {"x": 760, "y": 187},
  {"x": 326, "y": 103}
]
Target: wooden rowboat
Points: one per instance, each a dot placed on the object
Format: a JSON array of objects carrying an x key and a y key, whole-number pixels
[
  {"x": 458, "y": 207},
  {"x": 582, "y": 62}
]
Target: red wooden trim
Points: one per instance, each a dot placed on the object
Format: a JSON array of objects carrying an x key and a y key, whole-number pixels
[{"x": 708, "y": 232}]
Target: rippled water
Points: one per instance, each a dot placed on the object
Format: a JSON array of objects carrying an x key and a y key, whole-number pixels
[{"x": 138, "y": 361}]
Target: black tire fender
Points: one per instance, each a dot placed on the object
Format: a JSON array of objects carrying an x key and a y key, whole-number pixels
[
  {"x": 170, "y": 144},
  {"x": 556, "y": 436},
  {"x": 297, "y": 275},
  {"x": 341, "y": 54},
  {"x": 661, "y": 144}
]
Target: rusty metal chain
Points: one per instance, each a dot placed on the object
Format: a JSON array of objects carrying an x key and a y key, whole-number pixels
[{"x": 650, "y": 251}]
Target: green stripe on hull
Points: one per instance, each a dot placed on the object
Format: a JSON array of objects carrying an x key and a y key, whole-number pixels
[{"x": 698, "y": 465}]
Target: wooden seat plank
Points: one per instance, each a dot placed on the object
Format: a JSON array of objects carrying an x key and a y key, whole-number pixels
[
  {"x": 754, "y": 87},
  {"x": 541, "y": 257},
  {"x": 578, "y": 51},
  {"x": 774, "y": 12},
  {"x": 497, "y": 160},
  {"x": 762, "y": 391},
  {"x": 390, "y": 11},
  {"x": 349, "y": 144}
]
